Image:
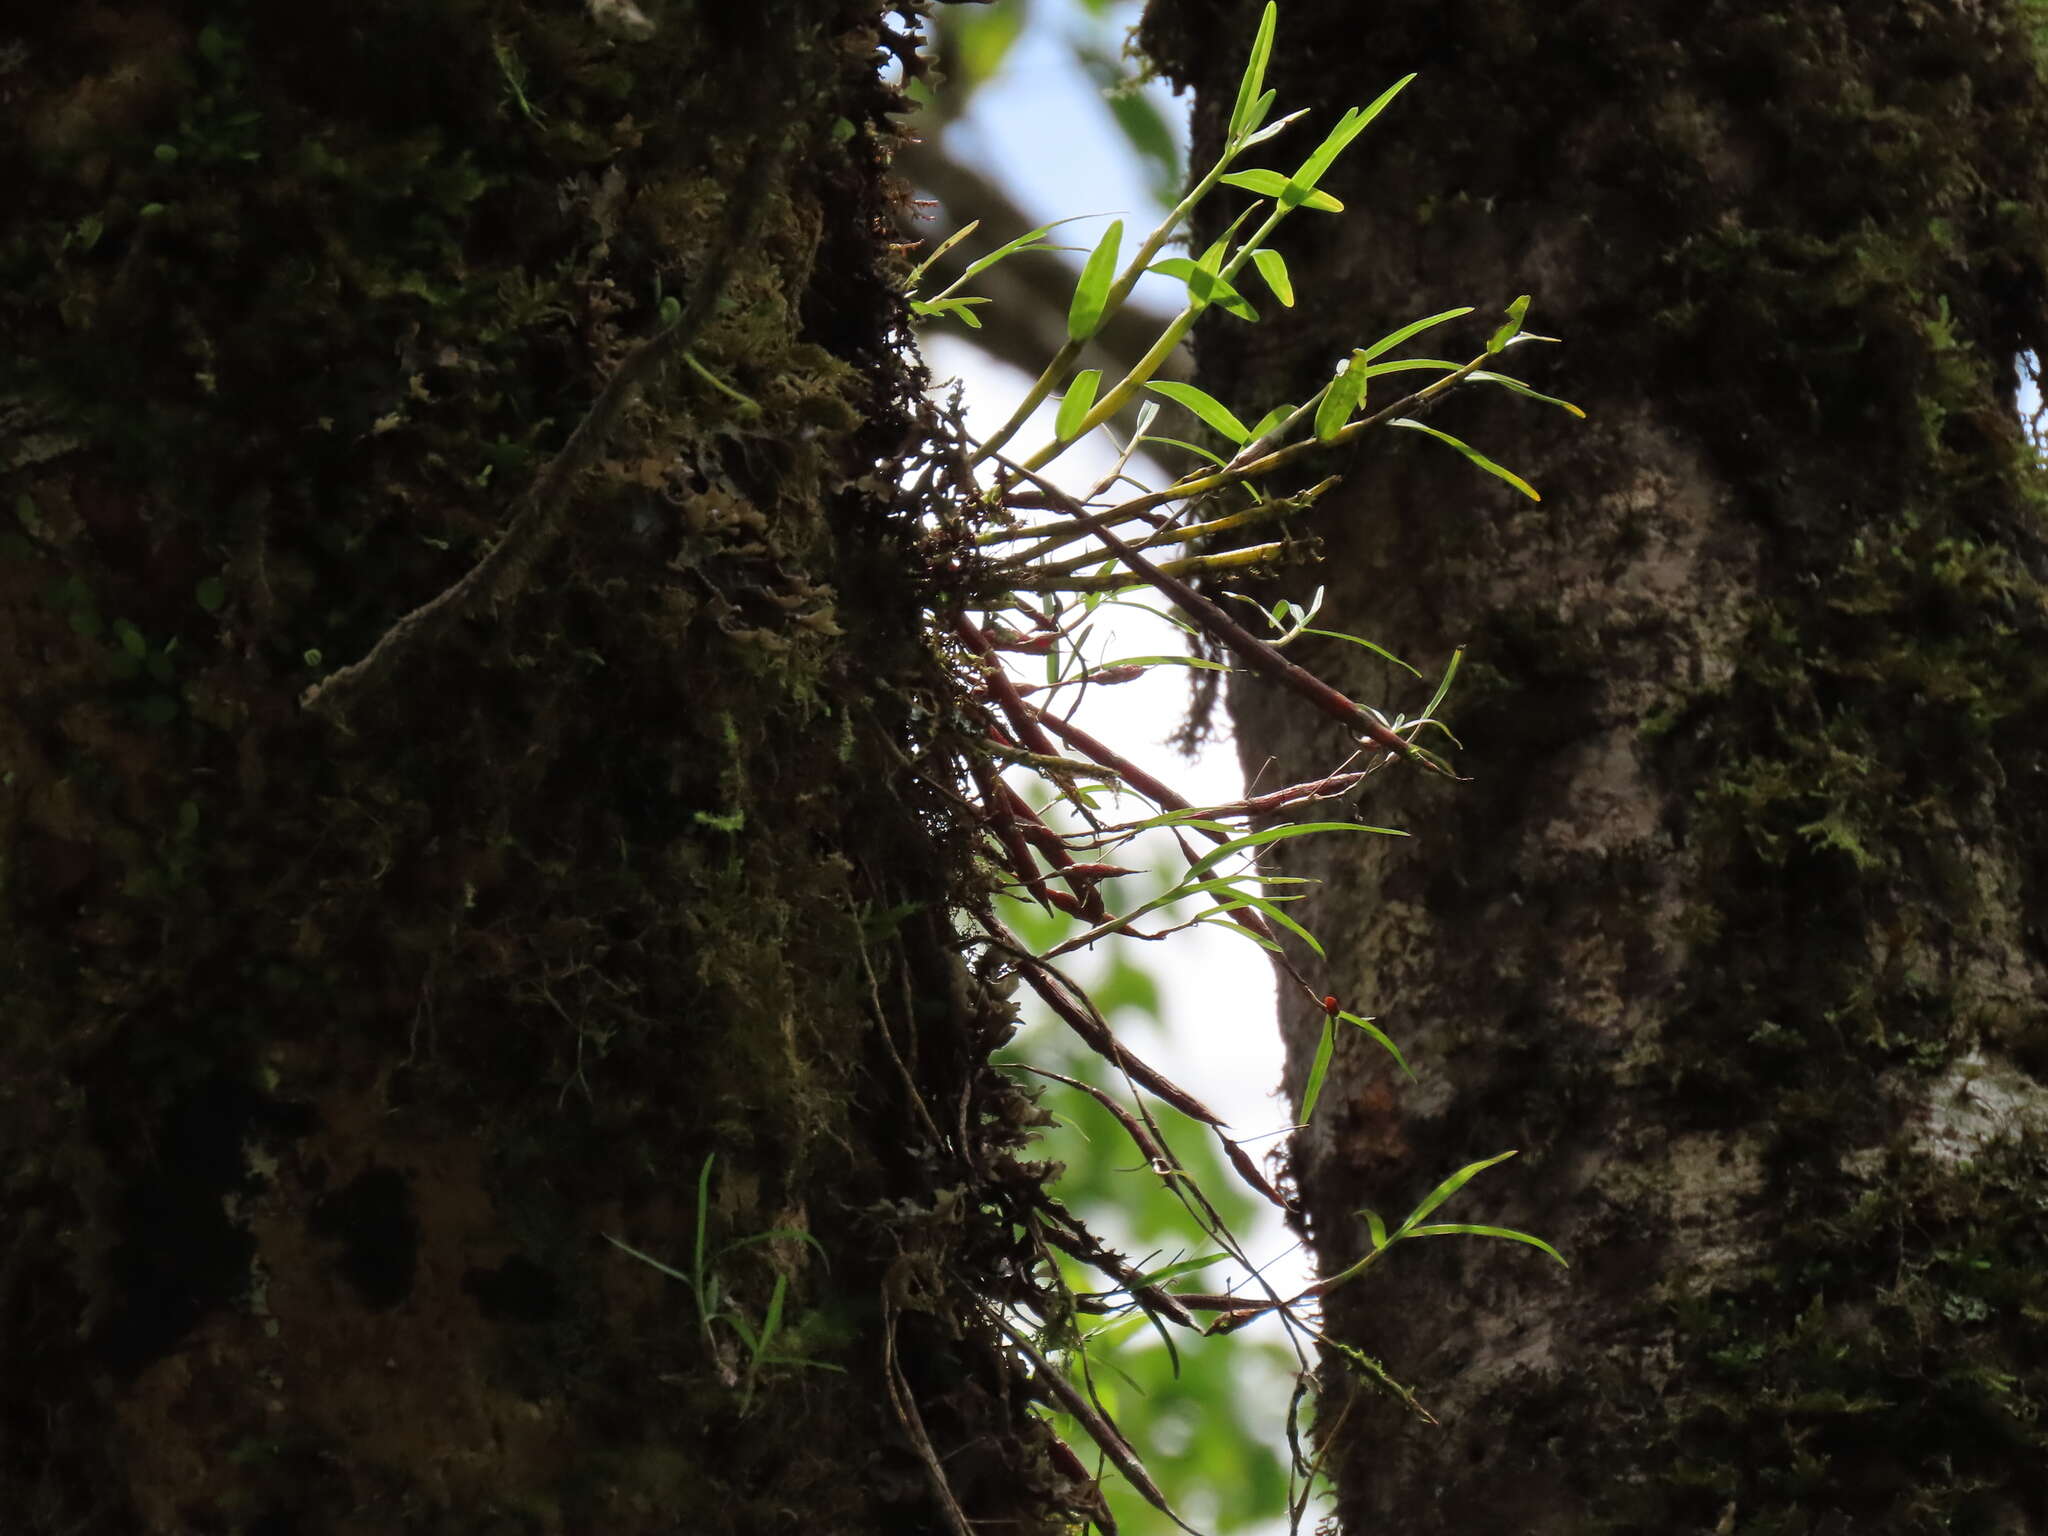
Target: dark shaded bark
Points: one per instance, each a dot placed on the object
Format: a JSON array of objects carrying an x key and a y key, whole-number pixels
[
  {"x": 332, "y": 1050},
  {"x": 1737, "y": 933}
]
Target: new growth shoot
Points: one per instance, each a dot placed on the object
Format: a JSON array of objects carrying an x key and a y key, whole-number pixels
[{"x": 1018, "y": 568}]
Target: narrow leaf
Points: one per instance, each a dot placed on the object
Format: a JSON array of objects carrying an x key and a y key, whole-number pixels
[
  {"x": 1471, "y": 453},
  {"x": 1349, "y": 126},
  {"x": 1483, "y": 377},
  {"x": 1175, "y": 1271},
  {"x": 1451, "y": 1229},
  {"x": 1448, "y": 1188},
  {"x": 647, "y": 1259},
  {"x": 1270, "y": 420},
  {"x": 1205, "y": 405},
  {"x": 1025, "y": 241},
  {"x": 1378, "y": 650},
  {"x": 1384, "y": 1039},
  {"x": 1317, "y": 1071},
  {"x": 1265, "y": 183},
  {"x": 1254, "y": 81},
  {"x": 1375, "y": 1229},
  {"x": 1273, "y": 268},
  {"x": 1084, "y": 314},
  {"x": 1345, "y": 394},
  {"x": 1209, "y": 860},
  {"x": 1080, "y": 400},
  {"x": 1512, "y": 327},
  {"x": 1271, "y": 129},
  {"x": 1175, "y": 442},
  {"x": 1393, "y": 339}
]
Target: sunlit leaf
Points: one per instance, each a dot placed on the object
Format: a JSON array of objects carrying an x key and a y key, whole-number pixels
[
  {"x": 1084, "y": 314},
  {"x": 1471, "y": 453},
  {"x": 1080, "y": 399},
  {"x": 1213, "y": 412}
]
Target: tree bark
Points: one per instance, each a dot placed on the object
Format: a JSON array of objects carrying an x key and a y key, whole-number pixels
[
  {"x": 339, "y": 1038},
  {"x": 1736, "y": 934}
]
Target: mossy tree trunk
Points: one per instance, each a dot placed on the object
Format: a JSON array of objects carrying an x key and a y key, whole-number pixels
[
  {"x": 1737, "y": 932},
  {"x": 337, "y": 1039}
]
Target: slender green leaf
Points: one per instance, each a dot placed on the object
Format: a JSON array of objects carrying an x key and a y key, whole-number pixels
[
  {"x": 1175, "y": 1271},
  {"x": 1205, "y": 405},
  {"x": 1269, "y": 908},
  {"x": 1512, "y": 327},
  {"x": 1199, "y": 663},
  {"x": 1025, "y": 241},
  {"x": 1079, "y": 401},
  {"x": 961, "y": 309},
  {"x": 1219, "y": 919},
  {"x": 1375, "y": 1229},
  {"x": 1265, "y": 835},
  {"x": 1349, "y": 126},
  {"x": 1273, "y": 268},
  {"x": 1254, "y": 81},
  {"x": 945, "y": 245},
  {"x": 772, "y": 1320},
  {"x": 698, "y": 1251},
  {"x": 776, "y": 1235},
  {"x": 1084, "y": 314},
  {"x": 1443, "y": 688},
  {"x": 648, "y": 1259},
  {"x": 1317, "y": 1071},
  {"x": 1175, "y": 442},
  {"x": 1384, "y": 1039},
  {"x": 1471, "y": 453},
  {"x": 1345, "y": 394},
  {"x": 1410, "y": 364},
  {"x": 1451, "y": 1229},
  {"x": 1450, "y": 1187},
  {"x": 1393, "y": 339},
  {"x": 1483, "y": 377},
  {"x": 1205, "y": 287},
  {"x": 1270, "y": 420},
  {"x": 1265, "y": 183},
  {"x": 1272, "y": 129},
  {"x": 1378, "y": 650}
]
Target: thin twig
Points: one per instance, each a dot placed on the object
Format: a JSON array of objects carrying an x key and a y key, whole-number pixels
[{"x": 504, "y": 572}]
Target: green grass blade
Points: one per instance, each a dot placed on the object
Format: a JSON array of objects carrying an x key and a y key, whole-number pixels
[
  {"x": 1452, "y": 1229},
  {"x": 1448, "y": 1188},
  {"x": 1393, "y": 339},
  {"x": 1483, "y": 377},
  {"x": 1080, "y": 399},
  {"x": 1384, "y": 1039},
  {"x": 1471, "y": 453},
  {"x": 1213, "y": 412},
  {"x": 1317, "y": 1071},
  {"x": 1254, "y": 82},
  {"x": 1378, "y": 650},
  {"x": 1265, "y": 835},
  {"x": 1085, "y": 313}
]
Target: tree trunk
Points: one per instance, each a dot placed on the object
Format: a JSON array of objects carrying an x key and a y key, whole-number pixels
[
  {"x": 1736, "y": 933},
  {"x": 338, "y": 1038}
]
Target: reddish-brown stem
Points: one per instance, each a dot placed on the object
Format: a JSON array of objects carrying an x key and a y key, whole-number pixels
[{"x": 1220, "y": 626}]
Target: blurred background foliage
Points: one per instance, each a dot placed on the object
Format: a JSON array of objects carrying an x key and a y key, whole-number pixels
[{"x": 1209, "y": 1423}]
